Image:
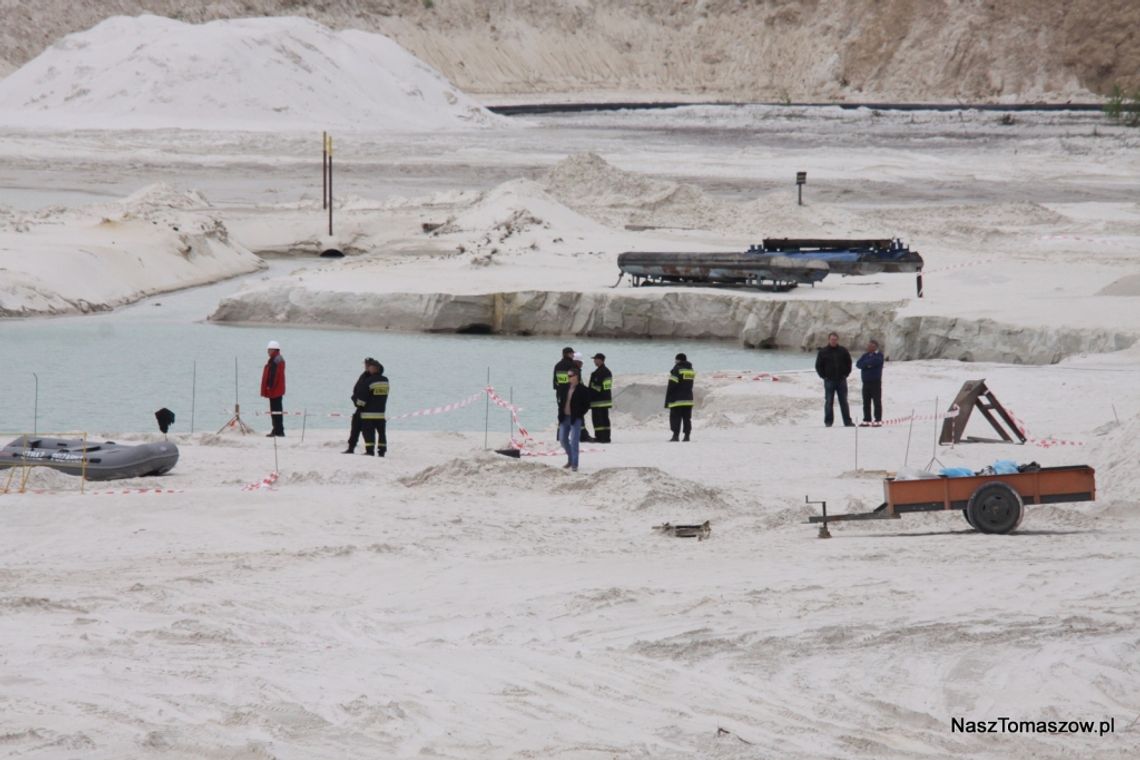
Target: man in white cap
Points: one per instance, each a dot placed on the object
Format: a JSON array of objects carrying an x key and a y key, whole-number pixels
[{"x": 273, "y": 387}]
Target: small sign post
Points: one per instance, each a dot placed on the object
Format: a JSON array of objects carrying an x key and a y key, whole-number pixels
[
  {"x": 329, "y": 152},
  {"x": 801, "y": 180}
]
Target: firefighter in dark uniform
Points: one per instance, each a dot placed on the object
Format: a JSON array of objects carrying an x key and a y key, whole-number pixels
[
  {"x": 601, "y": 398},
  {"x": 679, "y": 397},
  {"x": 359, "y": 393},
  {"x": 372, "y": 420},
  {"x": 561, "y": 379}
]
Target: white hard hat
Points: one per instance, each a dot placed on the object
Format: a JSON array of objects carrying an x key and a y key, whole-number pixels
[
  {"x": 274, "y": 344},
  {"x": 577, "y": 356}
]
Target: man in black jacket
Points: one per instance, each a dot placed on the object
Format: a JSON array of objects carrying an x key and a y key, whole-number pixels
[
  {"x": 359, "y": 392},
  {"x": 833, "y": 365},
  {"x": 601, "y": 398},
  {"x": 573, "y": 402},
  {"x": 679, "y": 397}
]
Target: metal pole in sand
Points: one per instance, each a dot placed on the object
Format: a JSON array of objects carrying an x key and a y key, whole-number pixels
[
  {"x": 330, "y": 152},
  {"x": 934, "y": 443},
  {"x": 909, "y": 430},
  {"x": 193, "y": 394},
  {"x": 304, "y": 420},
  {"x": 324, "y": 170},
  {"x": 510, "y": 413},
  {"x": 856, "y": 449},
  {"x": 276, "y": 468},
  {"x": 36, "y": 404},
  {"x": 487, "y": 411}
]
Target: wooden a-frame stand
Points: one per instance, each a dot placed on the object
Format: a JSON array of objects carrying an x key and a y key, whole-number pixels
[{"x": 975, "y": 394}]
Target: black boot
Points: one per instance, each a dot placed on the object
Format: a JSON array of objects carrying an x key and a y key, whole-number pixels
[
  {"x": 675, "y": 438},
  {"x": 686, "y": 438},
  {"x": 349, "y": 450}
]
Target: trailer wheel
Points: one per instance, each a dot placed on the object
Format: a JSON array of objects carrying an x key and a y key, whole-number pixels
[
  {"x": 966, "y": 514},
  {"x": 994, "y": 508}
]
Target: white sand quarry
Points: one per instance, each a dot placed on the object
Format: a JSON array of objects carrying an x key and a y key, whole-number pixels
[{"x": 449, "y": 602}]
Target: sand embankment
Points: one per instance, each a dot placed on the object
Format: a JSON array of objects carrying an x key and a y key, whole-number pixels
[
  {"x": 676, "y": 313},
  {"x": 539, "y": 257},
  {"x": 860, "y": 50},
  {"x": 94, "y": 258}
]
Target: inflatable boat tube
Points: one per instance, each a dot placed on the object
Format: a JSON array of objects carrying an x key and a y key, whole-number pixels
[{"x": 104, "y": 461}]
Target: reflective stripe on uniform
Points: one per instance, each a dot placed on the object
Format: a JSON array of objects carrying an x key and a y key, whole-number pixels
[
  {"x": 379, "y": 389},
  {"x": 688, "y": 374},
  {"x": 562, "y": 378},
  {"x": 674, "y": 404},
  {"x": 601, "y": 404},
  {"x": 372, "y": 416}
]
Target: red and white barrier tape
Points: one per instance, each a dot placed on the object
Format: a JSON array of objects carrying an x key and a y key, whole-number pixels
[
  {"x": 265, "y": 483},
  {"x": 56, "y": 492},
  {"x": 1045, "y": 443},
  {"x": 525, "y": 447},
  {"x": 746, "y": 376},
  {"x": 501, "y": 402},
  {"x": 441, "y": 409},
  {"x": 137, "y": 490},
  {"x": 954, "y": 410},
  {"x": 418, "y": 413}
]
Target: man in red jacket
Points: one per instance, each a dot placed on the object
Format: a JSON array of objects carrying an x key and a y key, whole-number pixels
[{"x": 273, "y": 387}]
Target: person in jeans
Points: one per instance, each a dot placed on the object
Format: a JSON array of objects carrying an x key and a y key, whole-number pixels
[
  {"x": 870, "y": 366},
  {"x": 833, "y": 365},
  {"x": 573, "y": 403}
]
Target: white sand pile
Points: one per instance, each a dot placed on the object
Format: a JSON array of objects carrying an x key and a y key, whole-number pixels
[
  {"x": 97, "y": 257},
  {"x": 1118, "y": 447},
  {"x": 647, "y": 488},
  {"x": 518, "y": 217},
  {"x": 253, "y": 74},
  {"x": 484, "y": 473},
  {"x": 1129, "y": 285},
  {"x": 973, "y": 222},
  {"x": 588, "y": 183}
]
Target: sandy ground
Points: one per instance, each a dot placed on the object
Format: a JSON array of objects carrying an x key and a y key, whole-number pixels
[{"x": 450, "y": 602}]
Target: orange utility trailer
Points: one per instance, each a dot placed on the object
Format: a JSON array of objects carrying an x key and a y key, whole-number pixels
[{"x": 990, "y": 503}]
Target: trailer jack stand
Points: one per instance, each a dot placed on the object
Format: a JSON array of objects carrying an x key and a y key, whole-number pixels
[{"x": 823, "y": 531}]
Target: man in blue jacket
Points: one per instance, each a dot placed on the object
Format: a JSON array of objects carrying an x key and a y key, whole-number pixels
[{"x": 870, "y": 365}]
